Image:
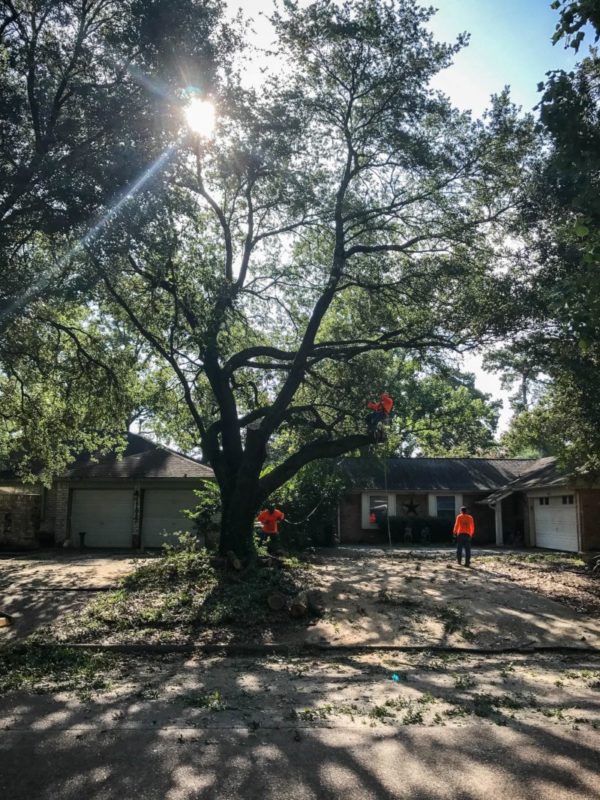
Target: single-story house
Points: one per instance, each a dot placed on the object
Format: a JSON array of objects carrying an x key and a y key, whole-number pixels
[
  {"x": 513, "y": 501},
  {"x": 130, "y": 501}
]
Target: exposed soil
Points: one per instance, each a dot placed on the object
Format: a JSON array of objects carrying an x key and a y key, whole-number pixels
[
  {"x": 567, "y": 581},
  {"x": 369, "y": 599}
]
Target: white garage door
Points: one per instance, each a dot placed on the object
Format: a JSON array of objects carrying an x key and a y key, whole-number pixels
[
  {"x": 104, "y": 514},
  {"x": 162, "y": 515},
  {"x": 555, "y": 524}
]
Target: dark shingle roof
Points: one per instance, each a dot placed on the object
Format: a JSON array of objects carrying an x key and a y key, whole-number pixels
[
  {"x": 141, "y": 459},
  {"x": 542, "y": 474},
  {"x": 436, "y": 474}
]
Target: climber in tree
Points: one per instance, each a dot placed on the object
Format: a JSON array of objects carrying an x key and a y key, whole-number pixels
[{"x": 380, "y": 412}]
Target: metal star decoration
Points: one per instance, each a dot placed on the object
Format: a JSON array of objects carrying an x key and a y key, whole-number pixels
[{"x": 411, "y": 507}]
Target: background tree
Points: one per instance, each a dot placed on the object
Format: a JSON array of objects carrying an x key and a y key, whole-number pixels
[
  {"x": 86, "y": 91},
  {"x": 438, "y": 412},
  {"x": 574, "y": 16},
  {"x": 344, "y": 209},
  {"x": 560, "y": 347}
]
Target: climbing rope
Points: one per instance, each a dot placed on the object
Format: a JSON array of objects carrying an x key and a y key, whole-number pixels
[
  {"x": 306, "y": 518},
  {"x": 387, "y": 516}
]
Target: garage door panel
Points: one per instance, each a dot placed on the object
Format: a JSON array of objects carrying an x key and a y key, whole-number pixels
[
  {"x": 163, "y": 516},
  {"x": 556, "y": 527},
  {"x": 104, "y": 514}
]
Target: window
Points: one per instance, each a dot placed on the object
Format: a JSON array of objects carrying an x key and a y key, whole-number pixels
[
  {"x": 378, "y": 503},
  {"x": 544, "y": 501},
  {"x": 445, "y": 506},
  {"x": 567, "y": 500},
  {"x": 377, "y": 508}
]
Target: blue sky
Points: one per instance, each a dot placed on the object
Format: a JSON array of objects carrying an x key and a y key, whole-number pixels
[{"x": 510, "y": 45}]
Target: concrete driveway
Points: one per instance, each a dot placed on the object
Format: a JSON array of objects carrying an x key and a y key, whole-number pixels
[{"x": 37, "y": 588}]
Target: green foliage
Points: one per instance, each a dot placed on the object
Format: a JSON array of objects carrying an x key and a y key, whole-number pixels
[
  {"x": 81, "y": 85},
  {"x": 207, "y": 511},
  {"x": 310, "y": 501},
  {"x": 213, "y": 701},
  {"x": 556, "y": 357},
  {"x": 33, "y": 667},
  {"x": 182, "y": 594},
  {"x": 574, "y": 16},
  {"x": 68, "y": 385},
  {"x": 342, "y": 209}
]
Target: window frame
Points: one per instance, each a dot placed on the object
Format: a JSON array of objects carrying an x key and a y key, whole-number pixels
[{"x": 449, "y": 512}]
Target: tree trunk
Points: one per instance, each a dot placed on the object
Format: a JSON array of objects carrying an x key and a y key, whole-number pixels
[
  {"x": 237, "y": 526},
  {"x": 238, "y": 476},
  {"x": 240, "y": 500}
]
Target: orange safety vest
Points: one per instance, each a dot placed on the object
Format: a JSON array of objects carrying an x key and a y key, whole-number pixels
[{"x": 464, "y": 524}]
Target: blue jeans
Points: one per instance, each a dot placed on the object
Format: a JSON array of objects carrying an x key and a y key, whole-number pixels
[{"x": 463, "y": 541}]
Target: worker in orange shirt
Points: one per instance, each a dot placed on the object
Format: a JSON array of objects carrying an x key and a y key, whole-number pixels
[
  {"x": 380, "y": 412},
  {"x": 464, "y": 530},
  {"x": 269, "y": 519}
]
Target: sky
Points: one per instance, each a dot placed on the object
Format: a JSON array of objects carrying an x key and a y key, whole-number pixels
[{"x": 510, "y": 44}]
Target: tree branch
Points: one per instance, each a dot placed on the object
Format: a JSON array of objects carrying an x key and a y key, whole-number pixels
[{"x": 327, "y": 448}]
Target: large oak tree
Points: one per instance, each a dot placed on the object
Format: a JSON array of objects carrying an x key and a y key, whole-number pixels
[{"x": 342, "y": 208}]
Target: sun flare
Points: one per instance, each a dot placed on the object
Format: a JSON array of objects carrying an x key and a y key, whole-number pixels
[{"x": 200, "y": 117}]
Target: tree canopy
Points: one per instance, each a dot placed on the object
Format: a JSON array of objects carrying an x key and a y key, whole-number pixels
[
  {"x": 557, "y": 353},
  {"x": 342, "y": 211}
]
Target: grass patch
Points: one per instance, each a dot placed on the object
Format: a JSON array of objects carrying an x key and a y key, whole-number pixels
[
  {"x": 507, "y": 671},
  {"x": 213, "y": 701},
  {"x": 175, "y": 596},
  {"x": 30, "y": 667},
  {"x": 551, "y": 559},
  {"x": 484, "y": 704},
  {"x": 414, "y": 716},
  {"x": 454, "y": 621},
  {"x": 312, "y": 714},
  {"x": 381, "y": 713},
  {"x": 464, "y": 681},
  {"x": 324, "y": 712},
  {"x": 407, "y": 604}
]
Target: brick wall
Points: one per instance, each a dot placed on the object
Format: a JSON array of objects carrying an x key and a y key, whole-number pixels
[
  {"x": 350, "y": 521},
  {"x": 589, "y": 509},
  {"x": 61, "y": 512},
  {"x": 19, "y": 520}
]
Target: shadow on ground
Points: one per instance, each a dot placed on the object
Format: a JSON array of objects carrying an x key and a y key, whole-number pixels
[{"x": 181, "y": 729}]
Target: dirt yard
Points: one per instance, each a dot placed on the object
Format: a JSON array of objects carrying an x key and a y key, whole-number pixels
[
  {"x": 371, "y": 598},
  {"x": 497, "y": 603},
  {"x": 38, "y": 589},
  {"x": 372, "y": 722},
  {"x": 566, "y": 580}
]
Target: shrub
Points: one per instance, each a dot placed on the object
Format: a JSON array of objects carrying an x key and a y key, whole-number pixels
[{"x": 440, "y": 530}]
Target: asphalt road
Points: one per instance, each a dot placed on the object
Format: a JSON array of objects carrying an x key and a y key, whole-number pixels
[{"x": 475, "y": 761}]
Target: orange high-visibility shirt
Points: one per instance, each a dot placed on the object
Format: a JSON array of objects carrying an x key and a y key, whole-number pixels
[
  {"x": 270, "y": 521},
  {"x": 464, "y": 524},
  {"x": 387, "y": 402}
]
